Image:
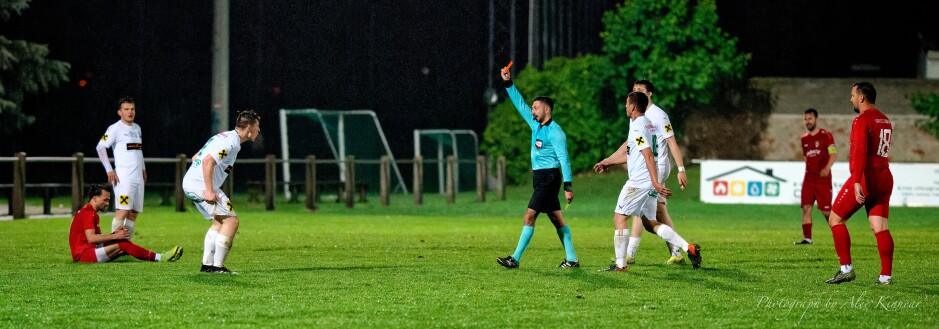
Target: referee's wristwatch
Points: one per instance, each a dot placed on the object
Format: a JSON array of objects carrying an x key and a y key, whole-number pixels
[{"x": 568, "y": 187}]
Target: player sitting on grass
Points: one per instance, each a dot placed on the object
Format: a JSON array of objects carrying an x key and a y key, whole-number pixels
[{"x": 90, "y": 246}]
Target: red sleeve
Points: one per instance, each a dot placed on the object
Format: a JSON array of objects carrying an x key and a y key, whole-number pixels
[
  {"x": 831, "y": 139},
  {"x": 859, "y": 150},
  {"x": 88, "y": 223}
]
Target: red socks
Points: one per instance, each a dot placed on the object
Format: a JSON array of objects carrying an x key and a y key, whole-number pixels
[
  {"x": 807, "y": 230},
  {"x": 843, "y": 243},
  {"x": 143, "y": 254},
  {"x": 885, "y": 248}
]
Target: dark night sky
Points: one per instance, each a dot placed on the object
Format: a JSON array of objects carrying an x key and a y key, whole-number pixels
[{"x": 370, "y": 54}]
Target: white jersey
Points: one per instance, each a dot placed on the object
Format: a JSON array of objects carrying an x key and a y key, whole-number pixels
[
  {"x": 663, "y": 130},
  {"x": 224, "y": 148},
  {"x": 640, "y": 137},
  {"x": 127, "y": 143}
]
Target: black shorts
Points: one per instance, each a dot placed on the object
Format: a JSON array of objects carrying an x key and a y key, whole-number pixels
[{"x": 546, "y": 184}]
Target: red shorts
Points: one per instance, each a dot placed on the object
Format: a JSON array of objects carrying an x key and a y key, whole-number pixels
[
  {"x": 819, "y": 191},
  {"x": 877, "y": 200},
  {"x": 86, "y": 256}
]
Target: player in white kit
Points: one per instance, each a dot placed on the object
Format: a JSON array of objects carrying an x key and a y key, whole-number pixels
[
  {"x": 129, "y": 172},
  {"x": 663, "y": 144},
  {"x": 203, "y": 181},
  {"x": 639, "y": 195}
]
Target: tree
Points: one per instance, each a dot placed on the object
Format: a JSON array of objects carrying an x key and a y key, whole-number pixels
[
  {"x": 677, "y": 45},
  {"x": 583, "y": 108},
  {"x": 24, "y": 70},
  {"x": 928, "y": 105}
]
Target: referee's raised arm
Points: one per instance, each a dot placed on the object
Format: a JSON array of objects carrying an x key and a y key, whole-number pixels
[{"x": 523, "y": 109}]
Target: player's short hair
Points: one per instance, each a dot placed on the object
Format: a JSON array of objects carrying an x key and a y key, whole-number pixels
[
  {"x": 868, "y": 90},
  {"x": 813, "y": 111},
  {"x": 640, "y": 99},
  {"x": 649, "y": 87},
  {"x": 546, "y": 100},
  {"x": 246, "y": 117},
  {"x": 96, "y": 190},
  {"x": 125, "y": 99}
]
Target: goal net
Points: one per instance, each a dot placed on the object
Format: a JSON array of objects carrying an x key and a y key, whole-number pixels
[
  {"x": 435, "y": 145},
  {"x": 330, "y": 134}
]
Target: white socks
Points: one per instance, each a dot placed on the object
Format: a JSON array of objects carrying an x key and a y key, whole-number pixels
[
  {"x": 208, "y": 251},
  {"x": 129, "y": 225},
  {"x": 884, "y": 278},
  {"x": 115, "y": 224},
  {"x": 157, "y": 258},
  {"x": 619, "y": 246},
  {"x": 633, "y": 246},
  {"x": 846, "y": 268},
  {"x": 222, "y": 246},
  {"x": 668, "y": 234}
]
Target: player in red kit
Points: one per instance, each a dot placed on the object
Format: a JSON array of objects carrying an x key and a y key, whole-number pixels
[
  {"x": 870, "y": 185},
  {"x": 818, "y": 148},
  {"x": 90, "y": 246}
]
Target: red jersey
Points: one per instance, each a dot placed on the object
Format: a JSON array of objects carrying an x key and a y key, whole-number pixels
[
  {"x": 85, "y": 219},
  {"x": 870, "y": 142},
  {"x": 817, "y": 151}
]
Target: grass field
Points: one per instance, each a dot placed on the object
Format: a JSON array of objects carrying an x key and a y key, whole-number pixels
[{"x": 434, "y": 266}]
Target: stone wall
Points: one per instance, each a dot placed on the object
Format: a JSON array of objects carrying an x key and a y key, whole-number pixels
[{"x": 768, "y": 123}]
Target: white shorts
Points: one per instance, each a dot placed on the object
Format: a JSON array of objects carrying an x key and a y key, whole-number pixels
[
  {"x": 128, "y": 196},
  {"x": 664, "y": 171},
  {"x": 222, "y": 207},
  {"x": 635, "y": 201}
]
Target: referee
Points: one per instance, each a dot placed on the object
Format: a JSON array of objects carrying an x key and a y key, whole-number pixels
[{"x": 548, "y": 158}]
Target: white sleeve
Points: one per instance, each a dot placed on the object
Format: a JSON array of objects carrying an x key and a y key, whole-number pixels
[{"x": 103, "y": 156}]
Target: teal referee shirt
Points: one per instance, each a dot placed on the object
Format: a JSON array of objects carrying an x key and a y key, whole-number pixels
[{"x": 548, "y": 141}]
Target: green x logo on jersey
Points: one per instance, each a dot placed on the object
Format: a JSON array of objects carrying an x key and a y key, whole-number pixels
[
  {"x": 104, "y": 138},
  {"x": 640, "y": 141},
  {"x": 222, "y": 154},
  {"x": 228, "y": 204},
  {"x": 125, "y": 200},
  {"x": 668, "y": 128}
]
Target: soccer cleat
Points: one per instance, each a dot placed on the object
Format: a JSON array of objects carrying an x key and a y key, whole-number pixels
[
  {"x": 804, "y": 241},
  {"x": 174, "y": 254},
  {"x": 207, "y": 268},
  {"x": 569, "y": 264},
  {"x": 841, "y": 277},
  {"x": 224, "y": 270},
  {"x": 508, "y": 262},
  {"x": 630, "y": 260},
  {"x": 675, "y": 260},
  {"x": 889, "y": 282},
  {"x": 614, "y": 268},
  {"x": 694, "y": 254}
]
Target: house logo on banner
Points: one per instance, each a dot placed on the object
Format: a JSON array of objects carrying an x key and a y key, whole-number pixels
[{"x": 745, "y": 182}]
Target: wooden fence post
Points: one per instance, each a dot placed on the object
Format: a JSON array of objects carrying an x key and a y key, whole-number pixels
[
  {"x": 178, "y": 184},
  {"x": 418, "y": 180},
  {"x": 500, "y": 178},
  {"x": 19, "y": 186},
  {"x": 270, "y": 179},
  {"x": 481, "y": 178},
  {"x": 451, "y": 188},
  {"x": 310, "y": 189},
  {"x": 349, "y": 193},
  {"x": 78, "y": 182},
  {"x": 384, "y": 172}
]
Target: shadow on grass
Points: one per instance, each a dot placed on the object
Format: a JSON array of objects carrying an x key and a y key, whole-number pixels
[{"x": 329, "y": 268}]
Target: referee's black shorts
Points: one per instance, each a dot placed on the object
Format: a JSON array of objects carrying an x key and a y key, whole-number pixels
[{"x": 546, "y": 184}]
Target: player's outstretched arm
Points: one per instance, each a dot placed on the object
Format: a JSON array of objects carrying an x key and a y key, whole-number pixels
[
  {"x": 516, "y": 97},
  {"x": 676, "y": 154},
  {"x": 208, "y": 170},
  {"x": 653, "y": 172}
]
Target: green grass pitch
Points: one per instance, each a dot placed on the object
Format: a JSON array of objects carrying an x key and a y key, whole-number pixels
[{"x": 434, "y": 266}]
